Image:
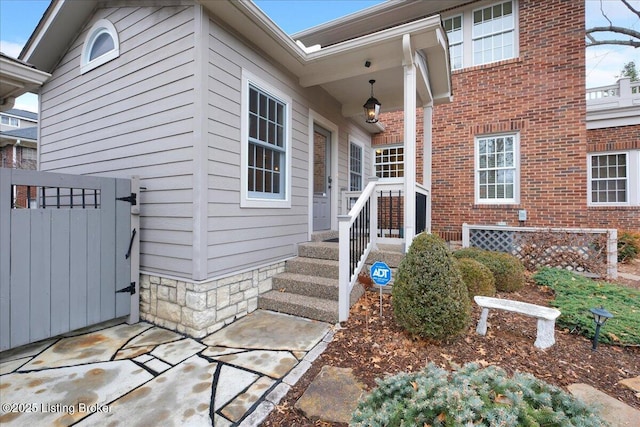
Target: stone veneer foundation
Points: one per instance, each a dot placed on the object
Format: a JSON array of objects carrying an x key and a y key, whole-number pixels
[{"x": 199, "y": 309}]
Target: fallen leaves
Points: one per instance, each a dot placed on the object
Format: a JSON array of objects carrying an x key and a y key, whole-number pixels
[{"x": 385, "y": 349}]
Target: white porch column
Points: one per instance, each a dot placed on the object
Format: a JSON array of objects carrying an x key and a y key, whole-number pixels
[
  {"x": 409, "y": 142},
  {"x": 427, "y": 157}
]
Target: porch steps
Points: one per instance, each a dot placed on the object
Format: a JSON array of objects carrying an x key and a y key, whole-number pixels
[{"x": 309, "y": 286}]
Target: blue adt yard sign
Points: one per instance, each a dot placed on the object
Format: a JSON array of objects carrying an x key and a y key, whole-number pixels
[{"x": 380, "y": 273}]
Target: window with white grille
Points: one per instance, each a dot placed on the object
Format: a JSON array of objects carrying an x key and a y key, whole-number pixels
[
  {"x": 493, "y": 33},
  {"x": 265, "y": 150},
  {"x": 497, "y": 174},
  {"x": 614, "y": 178},
  {"x": 482, "y": 35},
  {"x": 355, "y": 167},
  {"x": 389, "y": 162}
]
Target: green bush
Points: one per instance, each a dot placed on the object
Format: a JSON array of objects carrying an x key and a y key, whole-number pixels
[
  {"x": 477, "y": 277},
  {"x": 628, "y": 246},
  {"x": 429, "y": 298},
  {"x": 470, "y": 396},
  {"x": 507, "y": 270},
  {"x": 575, "y": 295}
]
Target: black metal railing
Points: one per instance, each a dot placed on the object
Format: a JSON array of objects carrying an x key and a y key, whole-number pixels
[
  {"x": 34, "y": 197},
  {"x": 391, "y": 213},
  {"x": 359, "y": 236}
]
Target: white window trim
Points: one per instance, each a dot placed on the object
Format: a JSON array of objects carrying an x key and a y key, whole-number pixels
[
  {"x": 467, "y": 32},
  {"x": 361, "y": 146},
  {"x": 100, "y": 27},
  {"x": 247, "y": 201},
  {"x": 476, "y": 173},
  {"x": 373, "y": 162},
  {"x": 633, "y": 178}
]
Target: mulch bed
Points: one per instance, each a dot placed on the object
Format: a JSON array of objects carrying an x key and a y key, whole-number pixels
[{"x": 376, "y": 347}]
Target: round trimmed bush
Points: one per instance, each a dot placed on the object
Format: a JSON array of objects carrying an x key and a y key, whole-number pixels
[
  {"x": 478, "y": 278},
  {"x": 507, "y": 270},
  {"x": 429, "y": 298},
  {"x": 470, "y": 396}
]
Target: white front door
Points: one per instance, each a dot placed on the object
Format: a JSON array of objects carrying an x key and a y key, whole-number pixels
[{"x": 321, "y": 179}]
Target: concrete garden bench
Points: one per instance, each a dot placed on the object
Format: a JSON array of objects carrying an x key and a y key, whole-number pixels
[{"x": 546, "y": 317}]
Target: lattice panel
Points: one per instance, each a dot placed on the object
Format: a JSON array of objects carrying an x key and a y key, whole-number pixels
[
  {"x": 492, "y": 240},
  {"x": 574, "y": 251}
]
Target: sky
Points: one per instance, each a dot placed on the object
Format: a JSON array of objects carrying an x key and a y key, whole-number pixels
[{"x": 18, "y": 19}]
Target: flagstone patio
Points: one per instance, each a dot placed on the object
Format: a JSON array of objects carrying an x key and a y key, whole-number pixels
[{"x": 118, "y": 374}]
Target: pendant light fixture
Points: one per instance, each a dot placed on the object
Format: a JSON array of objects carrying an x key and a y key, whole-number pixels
[{"x": 372, "y": 107}]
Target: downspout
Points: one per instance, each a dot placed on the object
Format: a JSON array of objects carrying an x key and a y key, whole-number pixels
[{"x": 409, "y": 141}]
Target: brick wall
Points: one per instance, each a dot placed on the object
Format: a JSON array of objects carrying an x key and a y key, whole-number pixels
[
  {"x": 25, "y": 159},
  {"x": 539, "y": 95},
  {"x": 614, "y": 139}
]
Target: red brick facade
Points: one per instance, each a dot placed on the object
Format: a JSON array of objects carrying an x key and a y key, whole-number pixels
[
  {"x": 540, "y": 95},
  {"x": 614, "y": 139},
  {"x": 24, "y": 159}
]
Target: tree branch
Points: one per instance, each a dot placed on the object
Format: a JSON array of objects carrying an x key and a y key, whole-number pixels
[
  {"x": 614, "y": 42},
  {"x": 626, "y": 3},
  {"x": 635, "y": 35},
  {"x": 613, "y": 29}
]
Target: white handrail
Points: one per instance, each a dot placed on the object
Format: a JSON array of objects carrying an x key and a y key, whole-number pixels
[{"x": 346, "y": 277}]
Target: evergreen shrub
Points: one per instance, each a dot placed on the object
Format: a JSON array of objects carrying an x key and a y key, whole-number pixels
[
  {"x": 575, "y": 295},
  {"x": 429, "y": 298},
  {"x": 478, "y": 278},
  {"x": 507, "y": 270},
  {"x": 470, "y": 396}
]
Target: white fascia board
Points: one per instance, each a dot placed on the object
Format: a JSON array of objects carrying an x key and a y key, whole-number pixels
[
  {"x": 373, "y": 19},
  {"x": 317, "y": 75},
  {"x": 415, "y": 28},
  {"x": 18, "y": 72}
]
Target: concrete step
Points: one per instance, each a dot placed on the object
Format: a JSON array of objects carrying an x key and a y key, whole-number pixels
[
  {"x": 390, "y": 255},
  {"x": 319, "y": 250},
  {"x": 312, "y": 286},
  {"x": 313, "y": 267},
  {"x": 300, "y": 305}
]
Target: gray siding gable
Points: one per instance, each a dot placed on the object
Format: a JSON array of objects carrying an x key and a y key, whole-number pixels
[{"x": 169, "y": 110}]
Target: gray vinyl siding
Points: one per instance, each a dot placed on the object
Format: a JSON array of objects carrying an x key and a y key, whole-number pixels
[
  {"x": 133, "y": 116},
  {"x": 141, "y": 114},
  {"x": 241, "y": 238}
]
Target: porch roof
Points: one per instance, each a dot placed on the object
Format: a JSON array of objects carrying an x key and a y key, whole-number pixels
[
  {"x": 339, "y": 67},
  {"x": 16, "y": 78}
]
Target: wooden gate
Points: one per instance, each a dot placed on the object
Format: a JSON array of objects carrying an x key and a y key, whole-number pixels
[{"x": 67, "y": 246}]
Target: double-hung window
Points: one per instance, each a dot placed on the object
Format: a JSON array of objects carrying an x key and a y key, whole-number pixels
[
  {"x": 482, "y": 35},
  {"x": 497, "y": 174},
  {"x": 266, "y": 145},
  {"x": 493, "y": 33},
  {"x": 265, "y": 150},
  {"x": 389, "y": 162},
  {"x": 614, "y": 179},
  {"x": 355, "y": 167}
]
